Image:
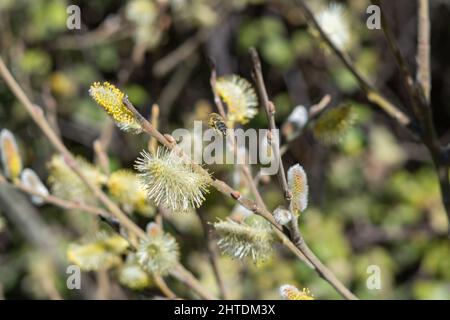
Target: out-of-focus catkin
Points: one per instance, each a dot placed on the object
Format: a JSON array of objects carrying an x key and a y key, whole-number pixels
[
  {"x": 11, "y": 160},
  {"x": 298, "y": 186}
]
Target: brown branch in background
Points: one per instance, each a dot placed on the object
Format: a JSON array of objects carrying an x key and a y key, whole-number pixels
[
  {"x": 423, "y": 112},
  {"x": 183, "y": 52},
  {"x": 113, "y": 28},
  {"x": 101, "y": 157},
  {"x": 217, "y": 100},
  {"x": 62, "y": 203},
  {"x": 164, "y": 287},
  {"x": 37, "y": 115},
  {"x": 407, "y": 77},
  {"x": 153, "y": 143},
  {"x": 51, "y": 108},
  {"x": 373, "y": 95},
  {"x": 213, "y": 255},
  {"x": 423, "y": 76},
  {"x": 104, "y": 285},
  {"x": 186, "y": 277},
  {"x": 174, "y": 87},
  {"x": 30, "y": 223},
  {"x": 187, "y": 48}
]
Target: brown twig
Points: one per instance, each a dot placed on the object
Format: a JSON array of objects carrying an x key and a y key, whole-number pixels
[
  {"x": 153, "y": 143},
  {"x": 184, "y": 51},
  {"x": 423, "y": 76},
  {"x": 186, "y": 277},
  {"x": 270, "y": 110}
]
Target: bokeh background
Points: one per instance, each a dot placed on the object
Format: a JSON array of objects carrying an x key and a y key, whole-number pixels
[{"x": 374, "y": 196}]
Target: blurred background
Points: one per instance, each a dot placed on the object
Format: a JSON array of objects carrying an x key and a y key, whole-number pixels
[{"x": 374, "y": 195}]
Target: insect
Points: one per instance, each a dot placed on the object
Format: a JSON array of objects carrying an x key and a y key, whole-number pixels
[{"x": 217, "y": 122}]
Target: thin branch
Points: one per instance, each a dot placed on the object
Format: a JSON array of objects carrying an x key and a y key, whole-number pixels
[
  {"x": 270, "y": 110},
  {"x": 183, "y": 52},
  {"x": 403, "y": 67},
  {"x": 425, "y": 130},
  {"x": 62, "y": 203},
  {"x": 164, "y": 287},
  {"x": 321, "y": 269},
  {"x": 423, "y": 76},
  {"x": 186, "y": 277},
  {"x": 217, "y": 100},
  {"x": 213, "y": 255}
]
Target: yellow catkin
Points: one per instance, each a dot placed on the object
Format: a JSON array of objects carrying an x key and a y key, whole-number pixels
[
  {"x": 102, "y": 253},
  {"x": 331, "y": 127},
  {"x": 110, "y": 98},
  {"x": 289, "y": 292},
  {"x": 12, "y": 163},
  {"x": 239, "y": 96}
]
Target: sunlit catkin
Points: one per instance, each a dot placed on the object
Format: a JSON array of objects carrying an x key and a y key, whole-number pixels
[
  {"x": 289, "y": 292},
  {"x": 298, "y": 186},
  {"x": 159, "y": 252},
  {"x": 11, "y": 161},
  {"x": 103, "y": 252},
  {"x": 331, "y": 126},
  {"x": 252, "y": 237},
  {"x": 335, "y": 23},
  {"x": 111, "y": 99},
  {"x": 124, "y": 186},
  {"x": 239, "y": 96},
  {"x": 31, "y": 180},
  {"x": 170, "y": 181}
]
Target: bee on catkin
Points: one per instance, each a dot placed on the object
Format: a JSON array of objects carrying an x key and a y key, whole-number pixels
[{"x": 217, "y": 123}]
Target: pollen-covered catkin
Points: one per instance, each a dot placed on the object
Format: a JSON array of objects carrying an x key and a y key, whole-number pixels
[
  {"x": 159, "y": 252},
  {"x": 111, "y": 98},
  {"x": 331, "y": 127},
  {"x": 298, "y": 186},
  {"x": 240, "y": 98},
  {"x": 170, "y": 181},
  {"x": 251, "y": 237}
]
